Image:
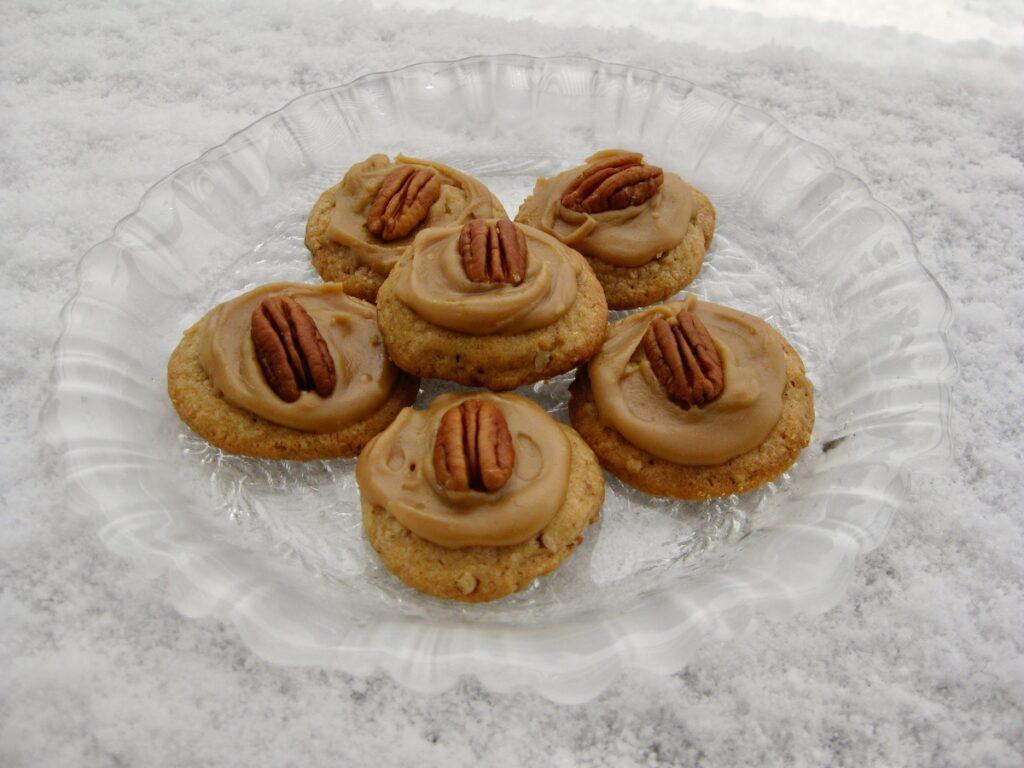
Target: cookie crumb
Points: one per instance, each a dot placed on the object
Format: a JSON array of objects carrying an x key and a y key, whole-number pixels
[
  {"x": 828, "y": 445},
  {"x": 467, "y": 583}
]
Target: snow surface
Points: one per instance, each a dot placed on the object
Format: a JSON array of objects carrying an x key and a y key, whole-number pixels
[{"x": 922, "y": 663}]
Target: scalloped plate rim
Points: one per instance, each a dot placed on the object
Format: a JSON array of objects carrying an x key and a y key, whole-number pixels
[{"x": 599, "y": 669}]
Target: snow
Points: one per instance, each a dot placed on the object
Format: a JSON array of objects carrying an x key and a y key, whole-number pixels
[{"x": 921, "y": 664}]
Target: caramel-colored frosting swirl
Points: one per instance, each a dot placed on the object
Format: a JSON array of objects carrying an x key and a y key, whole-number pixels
[
  {"x": 433, "y": 283},
  {"x": 462, "y": 198},
  {"x": 396, "y": 471},
  {"x": 629, "y": 237},
  {"x": 630, "y": 398},
  {"x": 349, "y": 326}
]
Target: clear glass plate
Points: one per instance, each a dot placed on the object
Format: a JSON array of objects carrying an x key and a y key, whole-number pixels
[{"x": 277, "y": 548}]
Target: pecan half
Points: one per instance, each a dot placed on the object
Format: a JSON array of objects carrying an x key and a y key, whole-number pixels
[
  {"x": 493, "y": 251},
  {"x": 613, "y": 183},
  {"x": 290, "y": 350},
  {"x": 402, "y": 202},
  {"x": 473, "y": 448},
  {"x": 685, "y": 360}
]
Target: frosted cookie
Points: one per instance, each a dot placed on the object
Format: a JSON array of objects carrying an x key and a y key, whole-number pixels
[
  {"x": 359, "y": 228},
  {"x": 643, "y": 231},
  {"x": 287, "y": 371},
  {"x": 694, "y": 400},
  {"x": 476, "y": 496},
  {"x": 491, "y": 303}
]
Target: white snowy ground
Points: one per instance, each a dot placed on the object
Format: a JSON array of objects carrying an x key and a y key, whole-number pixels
[{"x": 922, "y": 664}]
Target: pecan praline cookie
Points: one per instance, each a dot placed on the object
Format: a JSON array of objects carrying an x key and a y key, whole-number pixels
[
  {"x": 477, "y": 496},
  {"x": 287, "y": 371},
  {"x": 698, "y": 428},
  {"x": 359, "y": 227},
  {"x": 492, "y": 304},
  {"x": 644, "y": 231}
]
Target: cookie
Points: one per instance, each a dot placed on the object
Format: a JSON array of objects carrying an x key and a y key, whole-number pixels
[
  {"x": 438, "y": 322},
  {"x": 787, "y": 424},
  {"x": 643, "y": 231},
  {"x": 358, "y": 229},
  {"x": 559, "y": 502},
  {"x": 217, "y": 384},
  {"x": 666, "y": 275}
]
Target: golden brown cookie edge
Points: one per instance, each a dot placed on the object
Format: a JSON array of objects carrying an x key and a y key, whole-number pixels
[{"x": 334, "y": 262}]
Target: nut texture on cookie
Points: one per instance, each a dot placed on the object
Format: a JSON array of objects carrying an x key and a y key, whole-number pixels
[
  {"x": 644, "y": 231},
  {"x": 694, "y": 400},
  {"x": 359, "y": 228},
  {"x": 476, "y": 496},
  {"x": 490, "y": 303},
  {"x": 288, "y": 371}
]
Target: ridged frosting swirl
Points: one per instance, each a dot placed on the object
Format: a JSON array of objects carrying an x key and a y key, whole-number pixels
[
  {"x": 433, "y": 283},
  {"x": 395, "y": 471},
  {"x": 630, "y": 398},
  {"x": 365, "y": 375},
  {"x": 629, "y": 237},
  {"x": 462, "y": 198}
]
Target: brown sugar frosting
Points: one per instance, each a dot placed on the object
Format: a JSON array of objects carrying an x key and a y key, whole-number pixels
[
  {"x": 462, "y": 198},
  {"x": 365, "y": 376},
  {"x": 630, "y": 398},
  {"x": 628, "y": 237},
  {"x": 435, "y": 286},
  {"x": 395, "y": 471}
]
